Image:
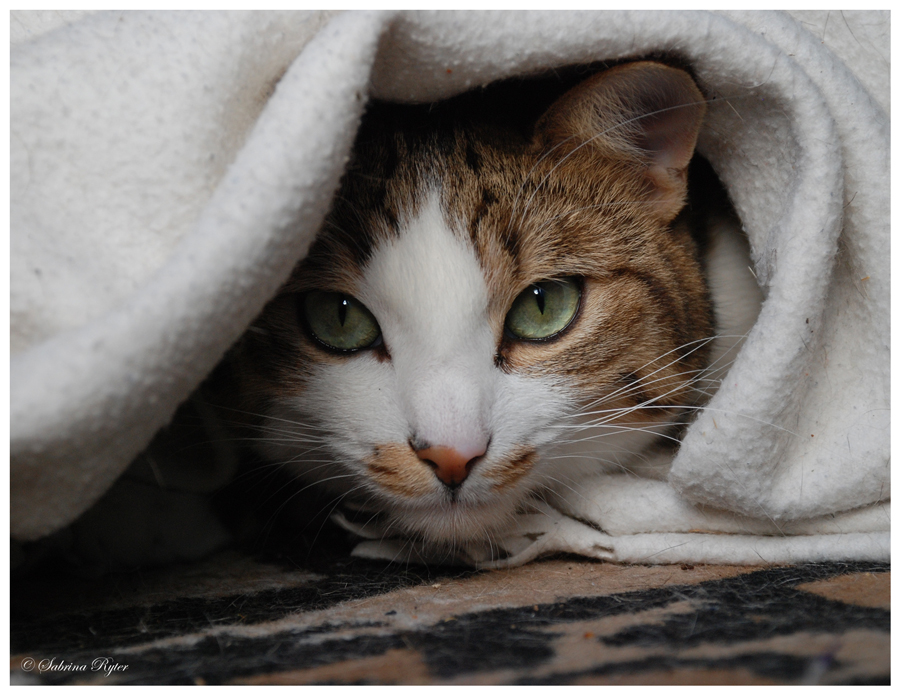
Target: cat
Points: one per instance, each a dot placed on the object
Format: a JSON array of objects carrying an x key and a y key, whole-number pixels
[{"x": 491, "y": 311}]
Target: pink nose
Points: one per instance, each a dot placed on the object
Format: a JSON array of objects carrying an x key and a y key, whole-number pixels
[{"x": 450, "y": 466}]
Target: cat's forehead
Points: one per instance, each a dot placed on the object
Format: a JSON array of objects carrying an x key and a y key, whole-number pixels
[
  {"x": 426, "y": 277},
  {"x": 525, "y": 215},
  {"x": 403, "y": 184}
]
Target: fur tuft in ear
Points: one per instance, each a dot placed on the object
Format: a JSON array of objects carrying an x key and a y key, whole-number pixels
[{"x": 646, "y": 113}]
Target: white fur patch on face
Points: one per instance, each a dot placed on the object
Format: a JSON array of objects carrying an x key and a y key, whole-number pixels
[
  {"x": 439, "y": 387},
  {"x": 428, "y": 292}
]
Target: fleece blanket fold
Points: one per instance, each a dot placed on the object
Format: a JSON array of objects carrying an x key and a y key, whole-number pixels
[{"x": 169, "y": 169}]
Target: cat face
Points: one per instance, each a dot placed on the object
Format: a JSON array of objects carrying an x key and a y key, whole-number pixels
[{"x": 486, "y": 314}]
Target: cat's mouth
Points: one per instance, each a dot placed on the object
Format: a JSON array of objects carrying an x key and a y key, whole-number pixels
[
  {"x": 457, "y": 517},
  {"x": 382, "y": 529}
]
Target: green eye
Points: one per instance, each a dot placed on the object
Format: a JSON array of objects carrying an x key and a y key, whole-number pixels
[
  {"x": 544, "y": 309},
  {"x": 339, "y": 321}
]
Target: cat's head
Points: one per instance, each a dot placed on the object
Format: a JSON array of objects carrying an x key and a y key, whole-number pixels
[{"x": 485, "y": 311}]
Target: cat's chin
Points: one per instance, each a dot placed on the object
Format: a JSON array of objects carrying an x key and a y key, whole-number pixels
[{"x": 456, "y": 523}]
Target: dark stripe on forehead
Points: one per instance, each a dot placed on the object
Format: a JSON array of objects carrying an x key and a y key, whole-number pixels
[
  {"x": 481, "y": 209},
  {"x": 473, "y": 159},
  {"x": 510, "y": 240},
  {"x": 389, "y": 217}
]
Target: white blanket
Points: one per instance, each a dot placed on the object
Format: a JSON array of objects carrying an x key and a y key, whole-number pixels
[{"x": 169, "y": 169}]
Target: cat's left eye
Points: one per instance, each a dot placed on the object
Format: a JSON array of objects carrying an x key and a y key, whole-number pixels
[
  {"x": 544, "y": 309},
  {"x": 339, "y": 321}
]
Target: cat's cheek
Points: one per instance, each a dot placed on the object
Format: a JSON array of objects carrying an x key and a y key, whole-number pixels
[
  {"x": 396, "y": 469},
  {"x": 341, "y": 411},
  {"x": 506, "y": 475}
]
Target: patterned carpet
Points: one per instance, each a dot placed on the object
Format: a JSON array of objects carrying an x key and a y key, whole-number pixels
[{"x": 238, "y": 619}]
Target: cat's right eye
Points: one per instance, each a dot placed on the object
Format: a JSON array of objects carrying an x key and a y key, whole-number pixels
[{"x": 339, "y": 321}]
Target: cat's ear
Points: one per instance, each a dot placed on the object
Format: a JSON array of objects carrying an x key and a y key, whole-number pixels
[{"x": 646, "y": 113}]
